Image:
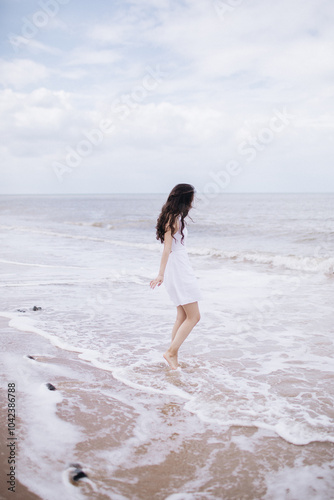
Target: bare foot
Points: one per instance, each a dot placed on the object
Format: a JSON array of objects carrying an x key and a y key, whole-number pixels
[{"x": 171, "y": 360}]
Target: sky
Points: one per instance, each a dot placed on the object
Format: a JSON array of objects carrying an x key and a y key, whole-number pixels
[{"x": 136, "y": 96}]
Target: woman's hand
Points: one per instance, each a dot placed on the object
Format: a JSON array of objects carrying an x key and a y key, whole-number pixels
[{"x": 157, "y": 281}]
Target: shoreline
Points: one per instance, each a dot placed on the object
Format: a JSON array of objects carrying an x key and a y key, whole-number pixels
[{"x": 176, "y": 464}]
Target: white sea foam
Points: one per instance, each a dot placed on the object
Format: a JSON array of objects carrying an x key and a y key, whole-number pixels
[
  {"x": 302, "y": 482},
  {"x": 26, "y": 324},
  {"x": 180, "y": 496},
  {"x": 46, "y": 441},
  {"x": 34, "y": 264},
  {"x": 293, "y": 262},
  {"x": 251, "y": 405},
  {"x": 80, "y": 237},
  {"x": 304, "y": 263}
]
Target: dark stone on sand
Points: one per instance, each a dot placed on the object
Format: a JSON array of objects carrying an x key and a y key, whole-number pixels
[
  {"x": 21, "y": 310},
  {"x": 50, "y": 387},
  {"x": 79, "y": 475},
  {"x": 30, "y": 357},
  {"x": 36, "y": 308}
]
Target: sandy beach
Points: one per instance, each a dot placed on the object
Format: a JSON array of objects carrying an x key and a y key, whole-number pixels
[
  {"x": 20, "y": 490},
  {"x": 200, "y": 464}
]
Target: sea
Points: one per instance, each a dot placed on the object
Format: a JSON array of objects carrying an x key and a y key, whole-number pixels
[{"x": 250, "y": 411}]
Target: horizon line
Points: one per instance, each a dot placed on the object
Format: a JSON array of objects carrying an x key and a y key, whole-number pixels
[{"x": 164, "y": 192}]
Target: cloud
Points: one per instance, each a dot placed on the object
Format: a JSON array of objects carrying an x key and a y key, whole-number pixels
[
  {"x": 37, "y": 124},
  {"x": 82, "y": 56},
  {"x": 22, "y": 72},
  {"x": 223, "y": 75}
]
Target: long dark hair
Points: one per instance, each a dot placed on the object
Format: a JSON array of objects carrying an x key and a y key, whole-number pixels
[{"x": 179, "y": 202}]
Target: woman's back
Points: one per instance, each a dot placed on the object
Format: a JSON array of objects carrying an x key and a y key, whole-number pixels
[{"x": 176, "y": 243}]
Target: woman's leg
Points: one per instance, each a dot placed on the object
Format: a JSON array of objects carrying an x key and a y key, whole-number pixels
[
  {"x": 180, "y": 317},
  {"x": 192, "y": 318}
]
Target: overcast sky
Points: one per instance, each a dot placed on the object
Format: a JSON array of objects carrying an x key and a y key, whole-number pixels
[{"x": 136, "y": 96}]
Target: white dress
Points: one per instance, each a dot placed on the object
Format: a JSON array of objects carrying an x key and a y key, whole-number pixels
[{"x": 180, "y": 280}]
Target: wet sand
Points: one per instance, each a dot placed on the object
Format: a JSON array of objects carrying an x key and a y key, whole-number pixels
[
  {"x": 21, "y": 492},
  {"x": 20, "y": 489},
  {"x": 183, "y": 458}
]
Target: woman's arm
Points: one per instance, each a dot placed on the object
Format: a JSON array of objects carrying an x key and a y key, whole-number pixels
[{"x": 164, "y": 259}]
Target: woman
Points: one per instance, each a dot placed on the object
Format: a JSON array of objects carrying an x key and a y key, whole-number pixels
[{"x": 175, "y": 269}]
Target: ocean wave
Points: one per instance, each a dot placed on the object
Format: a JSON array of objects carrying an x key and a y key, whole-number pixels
[
  {"x": 293, "y": 262},
  {"x": 146, "y": 246},
  {"x": 34, "y": 264},
  {"x": 26, "y": 324},
  {"x": 235, "y": 402},
  {"x": 91, "y": 224},
  {"x": 115, "y": 223}
]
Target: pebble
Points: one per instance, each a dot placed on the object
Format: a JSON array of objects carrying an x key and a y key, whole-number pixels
[{"x": 77, "y": 473}]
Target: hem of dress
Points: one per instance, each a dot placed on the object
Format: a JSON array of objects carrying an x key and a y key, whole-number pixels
[{"x": 188, "y": 302}]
